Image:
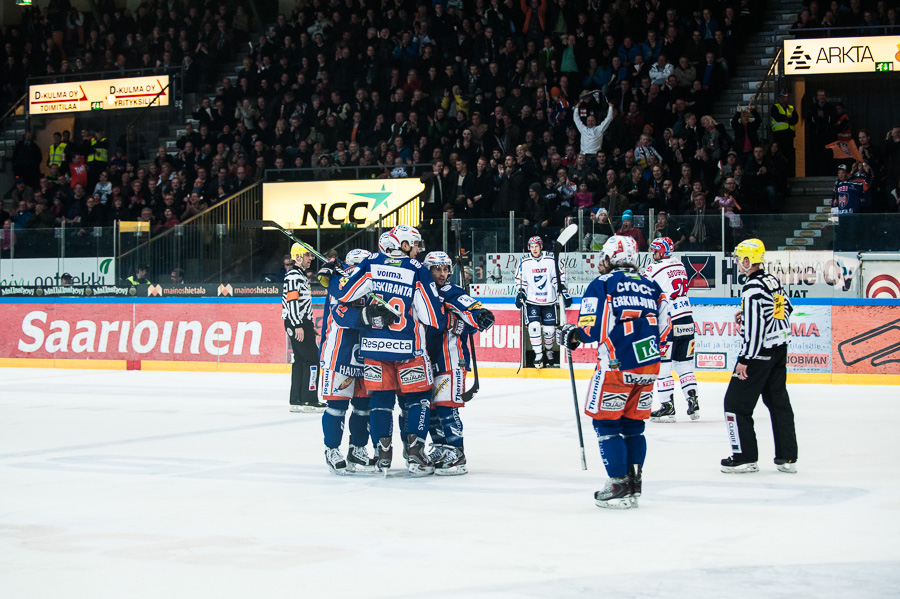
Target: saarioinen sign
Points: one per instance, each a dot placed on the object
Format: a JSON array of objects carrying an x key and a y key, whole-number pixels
[
  {"x": 339, "y": 203},
  {"x": 102, "y": 94},
  {"x": 825, "y": 56}
]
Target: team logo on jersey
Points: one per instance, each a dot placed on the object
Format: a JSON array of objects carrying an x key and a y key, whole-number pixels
[
  {"x": 589, "y": 305},
  {"x": 410, "y": 376},
  {"x": 587, "y": 321},
  {"x": 646, "y": 350},
  {"x": 613, "y": 402},
  {"x": 372, "y": 373}
]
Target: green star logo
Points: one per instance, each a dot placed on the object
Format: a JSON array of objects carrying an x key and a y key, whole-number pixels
[{"x": 380, "y": 197}]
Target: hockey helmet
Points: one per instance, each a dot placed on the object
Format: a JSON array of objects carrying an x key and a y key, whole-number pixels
[
  {"x": 356, "y": 256},
  {"x": 408, "y": 234},
  {"x": 621, "y": 249},
  {"x": 386, "y": 243},
  {"x": 751, "y": 248},
  {"x": 663, "y": 245},
  {"x": 297, "y": 251},
  {"x": 536, "y": 240},
  {"x": 437, "y": 259}
]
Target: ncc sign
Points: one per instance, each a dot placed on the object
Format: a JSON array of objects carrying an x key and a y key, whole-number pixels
[
  {"x": 338, "y": 203},
  {"x": 842, "y": 55},
  {"x": 103, "y": 94}
]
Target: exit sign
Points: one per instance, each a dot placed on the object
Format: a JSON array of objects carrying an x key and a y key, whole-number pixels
[
  {"x": 884, "y": 66},
  {"x": 96, "y": 105}
]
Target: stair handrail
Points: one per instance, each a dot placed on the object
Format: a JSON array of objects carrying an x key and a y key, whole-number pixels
[
  {"x": 770, "y": 74},
  {"x": 219, "y": 205},
  {"x": 13, "y": 108}
]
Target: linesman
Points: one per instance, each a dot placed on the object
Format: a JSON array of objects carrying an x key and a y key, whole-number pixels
[
  {"x": 761, "y": 367},
  {"x": 296, "y": 310}
]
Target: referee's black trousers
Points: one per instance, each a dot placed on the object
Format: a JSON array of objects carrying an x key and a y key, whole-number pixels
[
  {"x": 305, "y": 367},
  {"x": 766, "y": 375}
]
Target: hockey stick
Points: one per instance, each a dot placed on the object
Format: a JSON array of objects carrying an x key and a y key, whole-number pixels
[
  {"x": 468, "y": 395},
  {"x": 260, "y": 224},
  {"x": 564, "y": 237}
]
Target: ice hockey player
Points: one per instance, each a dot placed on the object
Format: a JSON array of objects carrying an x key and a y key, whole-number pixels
[
  {"x": 761, "y": 367},
  {"x": 341, "y": 384},
  {"x": 670, "y": 274},
  {"x": 296, "y": 310},
  {"x": 536, "y": 281},
  {"x": 449, "y": 352},
  {"x": 395, "y": 354},
  {"x": 623, "y": 311}
]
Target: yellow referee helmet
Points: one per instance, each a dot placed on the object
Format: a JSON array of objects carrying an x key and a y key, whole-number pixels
[
  {"x": 752, "y": 249},
  {"x": 297, "y": 251}
]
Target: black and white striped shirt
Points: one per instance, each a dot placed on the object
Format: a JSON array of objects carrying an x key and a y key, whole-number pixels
[
  {"x": 296, "y": 299},
  {"x": 766, "y": 312}
]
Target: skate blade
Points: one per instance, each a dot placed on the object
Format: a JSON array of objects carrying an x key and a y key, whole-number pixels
[
  {"x": 742, "y": 469},
  {"x": 787, "y": 468},
  {"x": 621, "y": 503},
  {"x": 663, "y": 418},
  {"x": 694, "y": 416},
  {"x": 452, "y": 471},
  {"x": 359, "y": 469},
  {"x": 310, "y": 410},
  {"x": 339, "y": 471}
]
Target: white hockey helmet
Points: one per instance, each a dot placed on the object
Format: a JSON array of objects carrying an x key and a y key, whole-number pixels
[
  {"x": 386, "y": 243},
  {"x": 621, "y": 249},
  {"x": 356, "y": 256},
  {"x": 408, "y": 234},
  {"x": 437, "y": 259}
]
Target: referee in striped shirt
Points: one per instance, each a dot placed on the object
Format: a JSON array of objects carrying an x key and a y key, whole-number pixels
[
  {"x": 296, "y": 310},
  {"x": 761, "y": 368}
]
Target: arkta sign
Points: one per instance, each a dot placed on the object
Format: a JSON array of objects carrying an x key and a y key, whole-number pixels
[
  {"x": 338, "y": 203},
  {"x": 103, "y": 94},
  {"x": 827, "y": 56}
]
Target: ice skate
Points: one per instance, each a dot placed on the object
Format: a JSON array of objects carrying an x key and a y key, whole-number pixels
[
  {"x": 538, "y": 361},
  {"x": 453, "y": 464},
  {"x": 693, "y": 405},
  {"x": 358, "y": 460},
  {"x": 634, "y": 477},
  {"x": 383, "y": 455},
  {"x": 665, "y": 413},
  {"x": 311, "y": 407},
  {"x": 789, "y": 466},
  {"x": 732, "y": 466},
  {"x": 418, "y": 463},
  {"x": 336, "y": 462},
  {"x": 296, "y": 408},
  {"x": 549, "y": 360},
  {"x": 616, "y": 494}
]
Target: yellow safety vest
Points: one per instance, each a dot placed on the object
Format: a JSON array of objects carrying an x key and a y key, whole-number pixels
[
  {"x": 783, "y": 125},
  {"x": 57, "y": 154},
  {"x": 100, "y": 153}
]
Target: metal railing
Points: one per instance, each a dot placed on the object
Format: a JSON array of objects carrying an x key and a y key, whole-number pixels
[{"x": 335, "y": 172}]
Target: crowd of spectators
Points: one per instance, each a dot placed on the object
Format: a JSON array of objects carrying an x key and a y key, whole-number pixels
[{"x": 540, "y": 107}]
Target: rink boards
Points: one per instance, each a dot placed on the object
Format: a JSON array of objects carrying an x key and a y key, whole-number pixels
[{"x": 833, "y": 341}]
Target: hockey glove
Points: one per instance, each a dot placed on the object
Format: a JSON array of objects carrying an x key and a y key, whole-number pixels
[
  {"x": 330, "y": 269},
  {"x": 485, "y": 319},
  {"x": 567, "y": 336},
  {"x": 567, "y": 299},
  {"x": 456, "y": 325},
  {"x": 520, "y": 299},
  {"x": 376, "y": 316}
]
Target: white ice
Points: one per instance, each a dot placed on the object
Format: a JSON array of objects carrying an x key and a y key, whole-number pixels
[{"x": 141, "y": 484}]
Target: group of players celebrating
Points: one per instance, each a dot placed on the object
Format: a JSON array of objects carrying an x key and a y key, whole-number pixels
[{"x": 396, "y": 331}]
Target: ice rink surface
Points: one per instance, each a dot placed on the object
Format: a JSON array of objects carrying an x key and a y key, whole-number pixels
[{"x": 142, "y": 484}]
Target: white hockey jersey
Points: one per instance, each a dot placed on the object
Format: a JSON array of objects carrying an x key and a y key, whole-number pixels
[
  {"x": 672, "y": 277},
  {"x": 537, "y": 276}
]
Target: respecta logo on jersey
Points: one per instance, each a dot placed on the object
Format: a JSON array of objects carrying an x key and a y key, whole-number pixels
[{"x": 392, "y": 346}]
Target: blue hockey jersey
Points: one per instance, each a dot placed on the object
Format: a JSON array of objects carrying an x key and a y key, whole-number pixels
[
  {"x": 340, "y": 335},
  {"x": 848, "y": 196},
  {"x": 622, "y": 311},
  {"x": 446, "y": 350},
  {"x": 407, "y": 286}
]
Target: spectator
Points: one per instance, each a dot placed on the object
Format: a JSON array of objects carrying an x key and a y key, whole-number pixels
[
  {"x": 26, "y": 160},
  {"x": 631, "y": 231},
  {"x": 140, "y": 277},
  {"x": 701, "y": 226},
  {"x": 783, "y": 121},
  {"x": 745, "y": 124}
]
